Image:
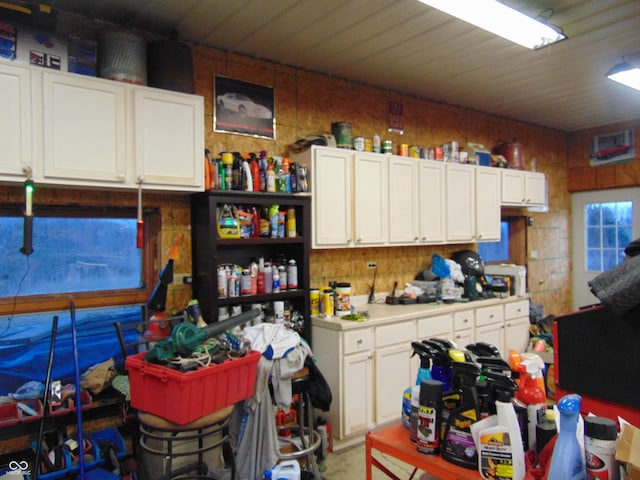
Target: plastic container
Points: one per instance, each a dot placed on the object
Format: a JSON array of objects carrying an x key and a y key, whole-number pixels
[
  {"x": 566, "y": 461},
  {"x": 160, "y": 390},
  {"x": 122, "y": 56},
  {"x": 113, "y": 438},
  {"x": 343, "y": 299},
  {"x": 287, "y": 470}
]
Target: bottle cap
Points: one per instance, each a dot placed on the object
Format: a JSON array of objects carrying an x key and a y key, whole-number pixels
[
  {"x": 600, "y": 427},
  {"x": 430, "y": 392}
]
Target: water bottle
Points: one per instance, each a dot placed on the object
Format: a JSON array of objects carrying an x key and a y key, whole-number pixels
[{"x": 566, "y": 461}]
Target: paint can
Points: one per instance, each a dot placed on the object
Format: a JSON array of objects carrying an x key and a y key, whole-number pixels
[
  {"x": 368, "y": 145},
  {"x": 342, "y": 133},
  {"x": 358, "y": 144},
  {"x": 387, "y": 146},
  {"x": 414, "y": 151},
  {"x": 403, "y": 150}
]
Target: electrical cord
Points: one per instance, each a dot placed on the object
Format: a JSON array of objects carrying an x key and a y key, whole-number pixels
[{"x": 15, "y": 299}]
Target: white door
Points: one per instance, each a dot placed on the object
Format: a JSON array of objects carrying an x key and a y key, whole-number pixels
[
  {"x": 357, "y": 393},
  {"x": 431, "y": 201},
  {"x": 393, "y": 376},
  {"x": 603, "y": 224}
]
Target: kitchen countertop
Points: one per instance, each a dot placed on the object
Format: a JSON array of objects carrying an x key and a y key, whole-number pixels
[{"x": 380, "y": 313}]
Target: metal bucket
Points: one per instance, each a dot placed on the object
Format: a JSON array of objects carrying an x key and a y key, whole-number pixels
[{"x": 122, "y": 56}]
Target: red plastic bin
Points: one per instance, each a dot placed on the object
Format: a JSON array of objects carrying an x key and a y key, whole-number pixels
[{"x": 182, "y": 397}]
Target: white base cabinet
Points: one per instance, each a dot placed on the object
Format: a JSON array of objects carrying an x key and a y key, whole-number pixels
[{"x": 369, "y": 365}]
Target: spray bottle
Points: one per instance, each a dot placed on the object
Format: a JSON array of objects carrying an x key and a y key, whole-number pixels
[
  {"x": 533, "y": 396},
  {"x": 255, "y": 172},
  {"x": 457, "y": 442},
  {"x": 441, "y": 364},
  {"x": 246, "y": 178},
  {"x": 566, "y": 460},
  {"x": 424, "y": 373},
  {"x": 500, "y": 450}
]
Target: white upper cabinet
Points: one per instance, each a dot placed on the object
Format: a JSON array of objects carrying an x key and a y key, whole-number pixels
[
  {"x": 91, "y": 132},
  {"x": 403, "y": 200},
  {"x": 487, "y": 204},
  {"x": 15, "y": 122},
  {"x": 431, "y": 192},
  {"x": 522, "y": 188},
  {"x": 331, "y": 171},
  {"x": 460, "y": 203},
  {"x": 84, "y": 131},
  {"x": 370, "y": 199},
  {"x": 169, "y": 139}
]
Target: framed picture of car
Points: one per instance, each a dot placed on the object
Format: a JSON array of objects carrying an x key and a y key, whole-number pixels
[
  {"x": 243, "y": 108},
  {"x": 612, "y": 148}
]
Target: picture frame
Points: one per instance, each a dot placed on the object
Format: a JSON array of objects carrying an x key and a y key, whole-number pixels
[
  {"x": 612, "y": 148},
  {"x": 243, "y": 108}
]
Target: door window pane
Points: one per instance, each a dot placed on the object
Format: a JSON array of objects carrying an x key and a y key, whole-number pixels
[{"x": 608, "y": 230}]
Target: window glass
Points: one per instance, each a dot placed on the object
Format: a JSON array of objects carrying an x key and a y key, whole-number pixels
[
  {"x": 496, "y": 251},
  {"x": 70, "y": 254},
  {"x": 608, "y": 230}
]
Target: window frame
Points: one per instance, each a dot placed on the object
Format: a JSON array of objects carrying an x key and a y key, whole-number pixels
[{"x": 13, "y": 305}]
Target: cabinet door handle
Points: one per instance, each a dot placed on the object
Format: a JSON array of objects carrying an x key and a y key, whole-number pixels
[
  {"x": 480, "y": 236},
  {"x": 359, "y": 342},
  {"x": 424, "y": 238},
  {"x": 359, "y": 240},
  {"x": 415, "y": 239},
  {"x": 349, "y": 240},
  {"x": 465, "y": 320},
  {"x": 491, "y": 316}
]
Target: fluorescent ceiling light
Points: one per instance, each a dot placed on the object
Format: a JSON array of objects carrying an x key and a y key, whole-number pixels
[
  {"x": 499, "y": 19},
  {"x": 626, "y": 74}
]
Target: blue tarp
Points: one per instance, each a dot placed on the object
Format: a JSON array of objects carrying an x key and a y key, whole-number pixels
[{"x": 25, "y": 342}]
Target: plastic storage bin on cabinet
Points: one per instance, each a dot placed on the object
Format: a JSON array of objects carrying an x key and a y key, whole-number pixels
[
  {"x": 61, "y": 472},
  {"x": 8, "y": 415},
  {"x": 91, "y": 448},
  {"x": 184, "y": 397}
]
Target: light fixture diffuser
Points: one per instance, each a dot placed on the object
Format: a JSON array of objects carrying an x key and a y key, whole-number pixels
[
  {"x": 625, "y": 74},
  {"x": 501, "y": 20}
]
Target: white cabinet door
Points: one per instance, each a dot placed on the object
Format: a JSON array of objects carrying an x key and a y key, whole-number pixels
[
  {"x": 437, "y": 326},
  {"x": 357, "y": 394},
  {"x": 370, "y": 198},
  {"x": 513, "y": 187},
  {"x": 487, "y": 204},
  {"x": 431, "y": 202},
  {"x": 15, "y": 122},
  {"x": 331, "y": 190},
  {"x": 535, "y": 188},
  {"x": 393, "y": 376},
  {"x": 460, "y": 197},
  {"x": 516, "y": 335},
  {"x": 84, "y": 131},
  {"x": 169, "y": 139},
  {"x": 403, "y": 200}
]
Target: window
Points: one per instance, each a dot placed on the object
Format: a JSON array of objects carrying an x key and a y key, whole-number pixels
[
  {"x": 86, "y": 254},
  {"x": 608, "y": 230},
  {"x": 512, "y": 247}
]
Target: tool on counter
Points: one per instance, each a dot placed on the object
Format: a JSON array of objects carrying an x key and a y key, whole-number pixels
[
  {"x": 392, "y": 299},
  {"x": 186, "y": 337},
  {"x": 372, "y": 287}
]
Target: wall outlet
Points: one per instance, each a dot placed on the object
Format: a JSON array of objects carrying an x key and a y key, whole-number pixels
[{"x": 371, "y": 265}]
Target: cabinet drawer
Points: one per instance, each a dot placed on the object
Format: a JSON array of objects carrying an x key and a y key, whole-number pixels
[
  {"x": 436, "y": 326},
  {"x": 489, "y": 315},
  {"x": 516, "y": 309},
  {"x": 464, "y": 319},
  {"x": 395, "y": 333},
  {"x": 358, "y": 341}
]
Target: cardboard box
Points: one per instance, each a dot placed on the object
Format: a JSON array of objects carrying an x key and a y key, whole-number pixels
[
  {"x": 83, "y": 57},
  {"x": 628, "y": 451},
  {"x": 42, "y": 48}
]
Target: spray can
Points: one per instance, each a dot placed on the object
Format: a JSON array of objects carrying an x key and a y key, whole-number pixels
[
  {"x": 291, "y": 223},
  {"x": 292, "y": 275},
  {"x": 428, "y": 435},
  {"x": 327, "y": 302},
  {"x": 314, "y": 297},
  {"x": 600, "y": 448},
  {"x": 414, "y": 416},
  {"x": 282, "y": 273}
]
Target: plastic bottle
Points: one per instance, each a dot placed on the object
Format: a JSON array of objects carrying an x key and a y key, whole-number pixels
[
  {"x": 271, "y": 179},
  {"x": 531, "y": 395},
  {"x": 429, "y": 417},
  {"x": 275, "y": 278},
  {"x": 458, "y": 446},
  {"x": 566, "y": 460},
  {"x": 500, "y": 450},
  {"x": 376, "y": 143},
  {"x": 255, "y": 173},
  {"x": 292, "y": 275},
  {"x": 600, "y": 448},
  {"x": 247, "y": 176},
  {"x": 424, "y": 373}
]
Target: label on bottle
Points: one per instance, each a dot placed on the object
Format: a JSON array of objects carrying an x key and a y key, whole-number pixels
[
  {"x": 496, "y": 457},
  {"x": 427, "y": 435}
]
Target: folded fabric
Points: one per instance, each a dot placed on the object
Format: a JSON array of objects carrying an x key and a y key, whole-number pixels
[
  {"x": 617, "y": 288},
  {"x": 273, "y": 340}
]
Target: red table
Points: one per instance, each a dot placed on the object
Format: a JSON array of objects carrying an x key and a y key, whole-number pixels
[{"x": 394, "y": 441}]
